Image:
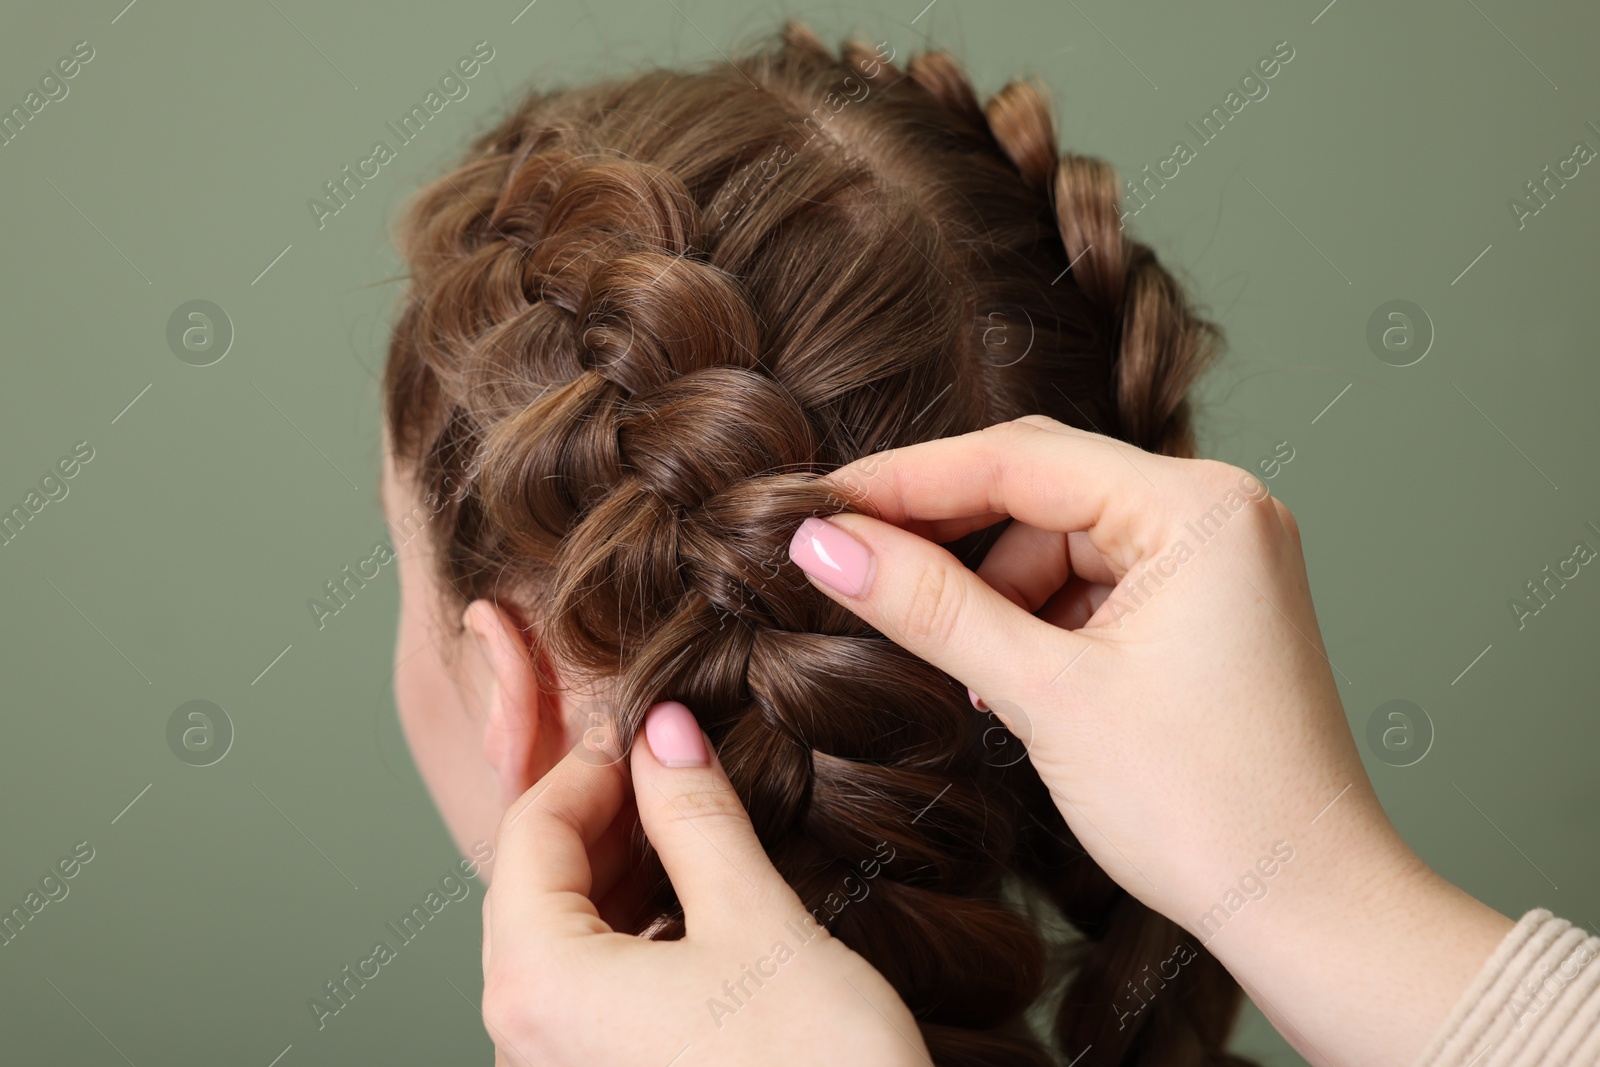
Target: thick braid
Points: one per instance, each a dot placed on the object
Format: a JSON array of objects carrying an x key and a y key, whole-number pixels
[
  {"x": 1163, "y": 345},
  {"x": 688, "y": 526},
  {"x": 656, "y": 455},
  {"x": 644, "y": 317},
  {"x": 1160, "y": 347}
]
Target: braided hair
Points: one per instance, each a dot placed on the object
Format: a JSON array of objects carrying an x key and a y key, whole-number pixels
[{"x": 643, "y": 317}]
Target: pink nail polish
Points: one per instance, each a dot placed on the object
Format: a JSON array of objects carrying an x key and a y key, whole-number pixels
[
  {"x": 832, "y": 556},
  {"x": 674, "y": 736},
  {"x": 977, "y": 701}
]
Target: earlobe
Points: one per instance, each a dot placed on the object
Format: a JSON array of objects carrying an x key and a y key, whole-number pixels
[{"x": 512, "y": 732}]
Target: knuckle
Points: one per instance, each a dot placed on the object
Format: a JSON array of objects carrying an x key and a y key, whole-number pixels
[
  {"x": 933, "y": 610},
  {"x": 1286, "y": 517},
  {"x": 1226, "y": 497},
  {"x": 1042, "y": 422},
  {"x": 1028, "y": 428},
  {"x": 1011, "y": 434},
  {"x": 1218, "y": 477},
  {"x": 713, "y": 804},
  {"x": 848, "y": 488},
  {"x": 1236, "y": 486},
  {"x": 519, "y": 810},
  {"x": 510, "y": 1004},
  {"x": 1032, "y": 425}
]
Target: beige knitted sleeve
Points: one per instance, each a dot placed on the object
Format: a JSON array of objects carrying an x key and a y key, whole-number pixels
[{"x": 1535, "y": 1003}]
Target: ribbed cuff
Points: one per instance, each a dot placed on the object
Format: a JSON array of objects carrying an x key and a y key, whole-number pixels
[{"x": 1535, "y": 1003}]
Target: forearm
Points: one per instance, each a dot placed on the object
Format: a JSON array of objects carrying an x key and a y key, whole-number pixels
[{"x": 1362, "y": 956}]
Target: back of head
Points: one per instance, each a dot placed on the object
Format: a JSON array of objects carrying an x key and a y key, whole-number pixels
[{"x": 644, "y": 316}]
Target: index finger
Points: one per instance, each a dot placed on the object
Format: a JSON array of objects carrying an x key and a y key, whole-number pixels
[
  {"x": 543, "y": 874},
  {"x": 1046, "y": 474}
]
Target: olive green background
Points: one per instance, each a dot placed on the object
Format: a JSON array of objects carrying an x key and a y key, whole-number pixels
[{"x": 179, "y": 566}]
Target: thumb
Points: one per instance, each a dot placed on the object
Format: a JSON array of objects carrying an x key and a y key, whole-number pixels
[
  {"x": 926, "y": 601},
  {"x": 693, "y": 817}
]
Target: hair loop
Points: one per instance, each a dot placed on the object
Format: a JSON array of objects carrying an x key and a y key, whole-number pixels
[
  {"x": 664, "y": 316},
  {"x": 1019, "y": 117},
  {"x": 685, "y": 442},
  {"x": 1086, "y": 198},
  {"x": 941, "y": 78},
  {"x": 640, "y": 205}
]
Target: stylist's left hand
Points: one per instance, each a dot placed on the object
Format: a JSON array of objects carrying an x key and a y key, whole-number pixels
[{"x": 755, "y": 979}]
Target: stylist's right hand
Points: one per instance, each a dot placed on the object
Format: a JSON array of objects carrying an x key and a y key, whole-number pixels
[
  {"x": 1184, "y": 724},
  {"x": 1145, "y": 626},
  {"x": 755, "y": 979}
]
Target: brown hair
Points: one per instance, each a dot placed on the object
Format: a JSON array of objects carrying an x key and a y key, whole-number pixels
[{"x": 643, "y": 317}]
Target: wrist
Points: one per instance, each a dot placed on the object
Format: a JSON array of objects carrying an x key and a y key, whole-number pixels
[{"x": 1360, "y": 954}]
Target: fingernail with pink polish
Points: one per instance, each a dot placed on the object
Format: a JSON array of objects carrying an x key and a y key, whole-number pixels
[
  {"x": 977, "y": 701},
  {"x": 832, "y": 556},
  {"x": 674, "y": 736}
]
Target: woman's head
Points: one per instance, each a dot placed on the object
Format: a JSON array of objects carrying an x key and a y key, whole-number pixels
[{"x": 644, "y": 316}]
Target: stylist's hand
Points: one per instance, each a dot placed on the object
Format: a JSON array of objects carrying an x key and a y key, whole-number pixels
[
  {"x": 755, "y": 979},
  {"x": 1145, "y": 626}
]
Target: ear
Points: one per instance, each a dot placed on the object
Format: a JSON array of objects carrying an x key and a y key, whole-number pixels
[{"x": 524, "y": 723}]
